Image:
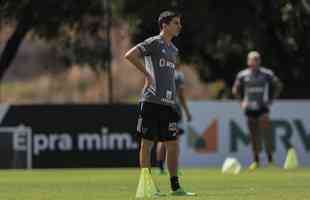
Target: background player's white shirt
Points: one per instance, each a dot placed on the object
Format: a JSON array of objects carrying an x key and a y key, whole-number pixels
[{"x": 256, "y": 87}]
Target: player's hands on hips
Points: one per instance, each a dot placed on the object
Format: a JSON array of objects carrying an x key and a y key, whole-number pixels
[
  {"x": 244, "y": 105},
  {"x": 148, "y": 80}
]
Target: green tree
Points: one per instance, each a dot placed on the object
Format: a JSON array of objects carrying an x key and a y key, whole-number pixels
[
  {"x": 76, "y": 26},
  {"x": 218, "y": 34}
]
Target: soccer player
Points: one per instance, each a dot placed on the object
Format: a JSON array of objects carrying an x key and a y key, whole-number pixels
[
  {"x": 257, "y": 87},
  {"x": 181, "y": 104},
  {"x": 157, "y": 118}
]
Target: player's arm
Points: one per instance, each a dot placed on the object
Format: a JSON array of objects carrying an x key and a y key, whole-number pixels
[
  {"x": 238, "y": 92},
  {"x": 134, "y": 55},
  {"x": 278, "y": 87},
  {"x": 183, "y": 102},
  {"x": 237, "y": 87}
]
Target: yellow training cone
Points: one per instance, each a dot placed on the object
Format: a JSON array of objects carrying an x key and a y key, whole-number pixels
[
  {"x": 146, "y": 187},
  {"x": 291, "y": 161}
]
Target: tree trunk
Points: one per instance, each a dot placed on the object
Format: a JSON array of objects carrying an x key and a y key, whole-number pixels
[{"x": 11, "y": 48}]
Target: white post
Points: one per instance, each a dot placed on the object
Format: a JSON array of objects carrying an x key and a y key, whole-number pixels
[{"x": 29, "y": 148}]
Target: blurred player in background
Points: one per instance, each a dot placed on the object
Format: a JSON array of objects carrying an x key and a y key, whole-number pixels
[
  {"x": 157, "y": 116},
  {"x": 181, "y": 105},
  {"x": 257, "y": 87}
]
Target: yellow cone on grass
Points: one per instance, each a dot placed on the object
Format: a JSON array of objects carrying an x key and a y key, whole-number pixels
[
  {"x": 291, "y": 161},
  {"x": 146, "y": 186}
]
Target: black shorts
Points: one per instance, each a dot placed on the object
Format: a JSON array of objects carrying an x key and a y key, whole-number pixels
[
  {"x": 157, "y": 122},
  {"x": 256, "y": 113}
]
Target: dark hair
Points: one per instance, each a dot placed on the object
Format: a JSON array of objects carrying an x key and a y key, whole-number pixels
[{"x": 166, "y": 17}]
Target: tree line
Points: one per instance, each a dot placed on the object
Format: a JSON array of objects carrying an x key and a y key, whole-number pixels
[{"x": 217, "y": 34}]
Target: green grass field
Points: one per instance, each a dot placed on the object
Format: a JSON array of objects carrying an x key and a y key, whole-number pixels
[{"x": 116, "y": 184}]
